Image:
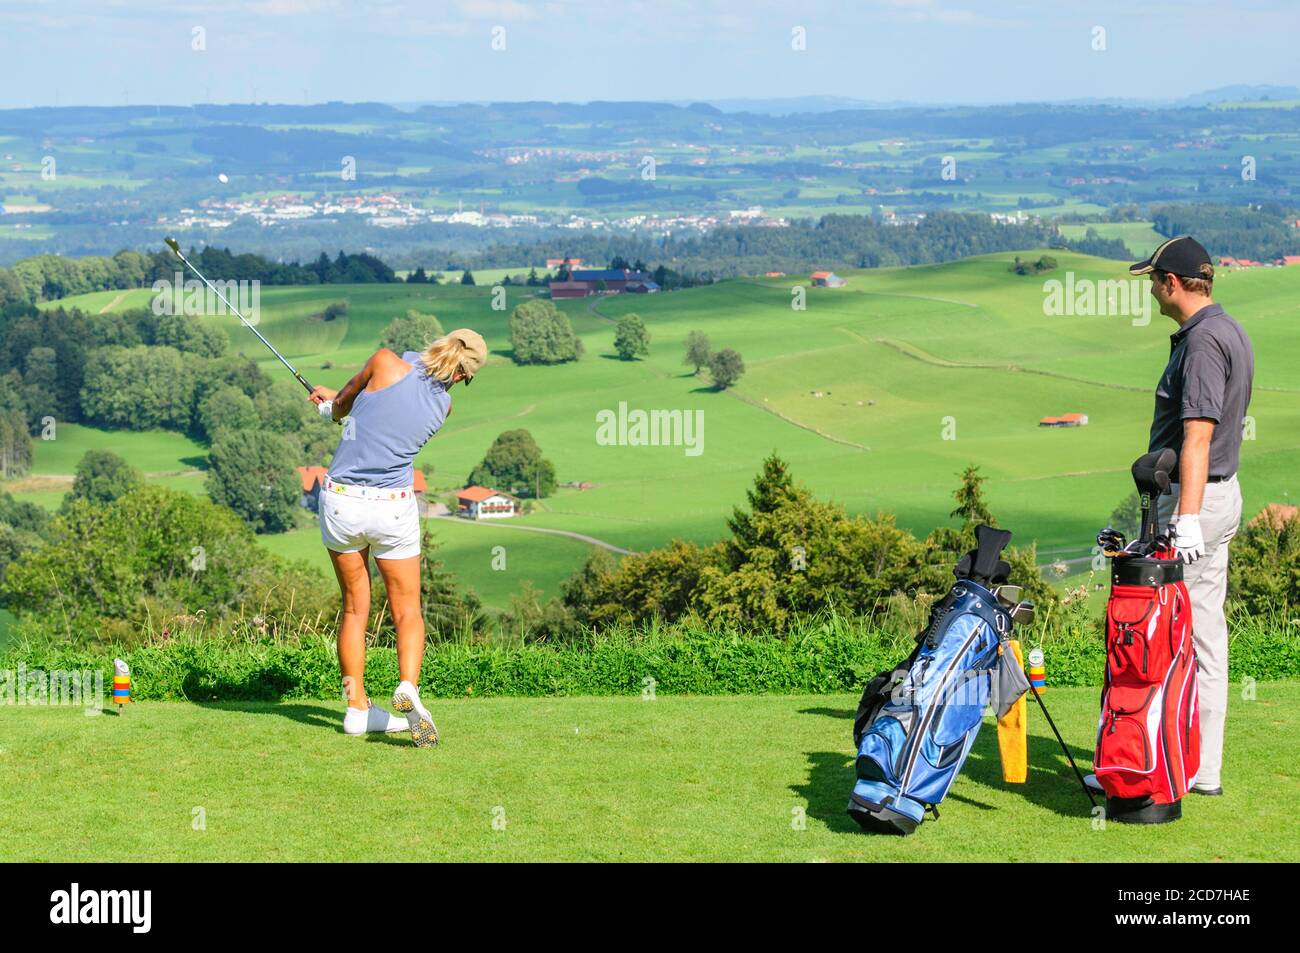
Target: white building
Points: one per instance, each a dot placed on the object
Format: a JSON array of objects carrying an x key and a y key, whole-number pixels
[{"x": 482, "y": 503}]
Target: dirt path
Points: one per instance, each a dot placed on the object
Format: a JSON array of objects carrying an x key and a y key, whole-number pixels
[
  {"x": 592, "y": 309},
  {"x": 112, "y": 304},
  {"x": 590, "y": 540}
]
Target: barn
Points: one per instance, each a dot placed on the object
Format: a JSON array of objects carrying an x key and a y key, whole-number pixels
[
  {"x": 827, "y": 279},
  {"x": 1065, "y": 420}
]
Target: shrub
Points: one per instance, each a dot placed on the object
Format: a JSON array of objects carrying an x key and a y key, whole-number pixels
[
  {"x": 112, "y": 571},
  {"x": 1264, "y": 565},
  {"x": 823, "y": 654}
]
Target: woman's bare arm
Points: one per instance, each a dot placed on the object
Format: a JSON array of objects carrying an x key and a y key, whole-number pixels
[{"x": 345, "y": 395}]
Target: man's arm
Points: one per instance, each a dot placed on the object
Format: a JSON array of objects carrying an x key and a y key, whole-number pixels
[
  {"x": 1193, "y": 468},
  {"x": 1194, "y": 463}
]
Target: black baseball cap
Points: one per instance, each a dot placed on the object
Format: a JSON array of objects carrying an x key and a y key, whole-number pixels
[{"x": 1182, "y": 256}]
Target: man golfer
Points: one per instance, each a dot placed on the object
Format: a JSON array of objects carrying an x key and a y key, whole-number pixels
[
  {"x": 368, "y": 507},
  {"x": 1201, "y": 401}
]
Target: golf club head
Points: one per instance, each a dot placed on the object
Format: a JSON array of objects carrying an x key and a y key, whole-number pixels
[
  {"x": 1111, "y": 541},
  {"x": 1022, "y": 613},
  {"x": 1008, "y": 595},
  {"x": 173, "y": 245}
]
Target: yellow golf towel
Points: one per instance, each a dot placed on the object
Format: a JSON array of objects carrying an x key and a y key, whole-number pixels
[{"x": 1013, "y": 734}]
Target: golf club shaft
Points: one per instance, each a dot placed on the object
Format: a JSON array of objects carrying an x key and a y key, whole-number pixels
[
  {"x": 293, "y": 370},
  {"x": 1069, "y": 757}
]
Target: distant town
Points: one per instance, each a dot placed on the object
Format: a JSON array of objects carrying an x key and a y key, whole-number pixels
[{"x": 392, "y": 211}]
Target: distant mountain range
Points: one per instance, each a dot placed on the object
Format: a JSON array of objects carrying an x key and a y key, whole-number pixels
[
  {"x": 796, "y": 105},
  {"x": 793, "y": 105},
  {"x": 820, "y": 104}
]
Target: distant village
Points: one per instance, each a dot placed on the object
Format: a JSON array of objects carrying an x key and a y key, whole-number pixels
[{"x": 391, "y": 211}]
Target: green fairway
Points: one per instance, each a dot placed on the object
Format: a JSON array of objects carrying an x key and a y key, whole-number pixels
[
  {"x": 673, "y": 778},
  {"x": 877, "y": 394}
]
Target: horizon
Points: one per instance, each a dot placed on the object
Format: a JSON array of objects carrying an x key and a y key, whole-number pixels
[{"x": 913, "y": 52}]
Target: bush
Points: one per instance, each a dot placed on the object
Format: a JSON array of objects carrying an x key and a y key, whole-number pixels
[
  {"x": 109, "y": 572},
  {"x": 790, "y": 555},
  {"x": 1264, "y": 565},
  {"x": 820, "y": 655}
]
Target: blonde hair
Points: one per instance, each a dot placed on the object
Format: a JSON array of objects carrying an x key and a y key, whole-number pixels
[{"x": 441, "y": 359}]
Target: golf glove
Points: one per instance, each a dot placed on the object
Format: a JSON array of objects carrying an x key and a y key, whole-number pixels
[
  {"x": 326, "y": 408},
  {"x": 1185, "y": 531}
]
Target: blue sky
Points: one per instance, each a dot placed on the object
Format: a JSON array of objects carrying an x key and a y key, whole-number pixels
[{"x": 106, "y": 52}]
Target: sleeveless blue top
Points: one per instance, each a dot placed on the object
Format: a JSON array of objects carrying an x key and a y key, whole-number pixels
[{"x": 387, "y": 428}]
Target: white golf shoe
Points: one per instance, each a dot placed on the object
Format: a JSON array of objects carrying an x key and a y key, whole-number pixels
[
  {"x": 360, "y": 721},
  {"x": 406, "y": 699}
]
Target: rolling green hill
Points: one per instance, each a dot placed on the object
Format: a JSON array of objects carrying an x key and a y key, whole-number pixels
[{"x": 877, "y": 394}]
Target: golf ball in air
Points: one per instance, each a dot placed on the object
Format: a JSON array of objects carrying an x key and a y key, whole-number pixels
[{"x": 223, "y": 178}]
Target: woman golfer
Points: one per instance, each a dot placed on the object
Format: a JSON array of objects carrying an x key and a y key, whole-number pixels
[{"x": 368, "y": 507}]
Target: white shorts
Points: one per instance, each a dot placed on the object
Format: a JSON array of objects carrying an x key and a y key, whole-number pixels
[{"x": 387, "y": 520}]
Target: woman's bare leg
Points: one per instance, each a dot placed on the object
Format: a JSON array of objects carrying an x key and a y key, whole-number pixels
[
  {"x": 402, "y": 580},
  {"x": 353, "y": 572}
]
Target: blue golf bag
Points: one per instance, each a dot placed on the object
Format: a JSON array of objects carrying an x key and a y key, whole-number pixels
[{"x": 916, "y": 724}]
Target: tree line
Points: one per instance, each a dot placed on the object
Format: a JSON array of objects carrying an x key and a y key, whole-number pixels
[
  {"x": 49, "y": 277},
  {"x": 833, "y": 241}
]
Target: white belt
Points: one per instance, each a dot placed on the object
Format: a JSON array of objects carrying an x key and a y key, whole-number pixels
[{"x": 370, "y": 492}]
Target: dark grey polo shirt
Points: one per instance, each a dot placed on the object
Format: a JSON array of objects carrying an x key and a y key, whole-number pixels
[{"x": 1211, "y": 367}]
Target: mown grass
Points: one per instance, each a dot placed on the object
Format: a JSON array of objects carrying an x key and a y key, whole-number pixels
[{"x": 761, "y": 778}]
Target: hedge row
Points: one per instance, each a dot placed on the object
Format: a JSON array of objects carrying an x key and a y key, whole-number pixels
[{"x": 831, "y": 659}]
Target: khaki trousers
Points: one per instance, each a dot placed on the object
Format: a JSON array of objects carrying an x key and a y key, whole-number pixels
[{"x": 1207, "y": 584}]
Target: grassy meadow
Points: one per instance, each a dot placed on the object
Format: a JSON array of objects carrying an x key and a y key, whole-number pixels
[{"x": 877, "y": 394}]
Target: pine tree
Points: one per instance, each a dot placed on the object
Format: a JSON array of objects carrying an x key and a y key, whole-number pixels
[
  {"x": 772, "y": 487},
  {"x": 971, "y": 506}
]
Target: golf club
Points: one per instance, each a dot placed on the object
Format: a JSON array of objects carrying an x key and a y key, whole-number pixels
[
  {"x": 326, "y": 407},
  {"x": 1065, "y": 748},
  {"x": 1022, "y": 613},
  {"x": 1008, "y": 595}
]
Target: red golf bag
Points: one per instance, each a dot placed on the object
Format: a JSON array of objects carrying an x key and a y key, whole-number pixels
[{"x": 1149, "y": 733}]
